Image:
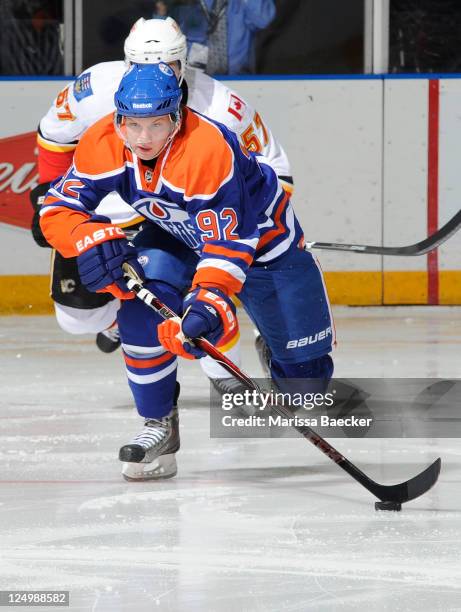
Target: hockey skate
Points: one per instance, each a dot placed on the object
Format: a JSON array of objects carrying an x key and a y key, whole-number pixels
[
  {"x": 231, "y": 384},
  {"x": 227, "y": 385},
  {"x": 151, "y": 454},
  {"x": 108, "y": 340},
  {"x": 264, "y": 354}
]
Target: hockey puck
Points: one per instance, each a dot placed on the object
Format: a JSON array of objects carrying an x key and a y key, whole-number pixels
[{"x": 388, "y": 505}]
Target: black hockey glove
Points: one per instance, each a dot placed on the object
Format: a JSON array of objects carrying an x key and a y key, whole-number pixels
[{"x": 36, "y": 199}]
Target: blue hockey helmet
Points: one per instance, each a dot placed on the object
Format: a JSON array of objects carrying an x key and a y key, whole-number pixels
[{"x": 148, "y": 90}]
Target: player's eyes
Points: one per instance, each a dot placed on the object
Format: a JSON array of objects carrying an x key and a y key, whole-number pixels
[{"x": 154, "y": 128}]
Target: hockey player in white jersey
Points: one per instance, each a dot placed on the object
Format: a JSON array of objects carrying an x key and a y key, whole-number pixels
[{"x": 86, "y": 100}]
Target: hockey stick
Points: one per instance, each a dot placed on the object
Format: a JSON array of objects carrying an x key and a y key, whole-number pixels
[
  {"x": 420, "y": 248},
  {"x": 399, "y": 493}
]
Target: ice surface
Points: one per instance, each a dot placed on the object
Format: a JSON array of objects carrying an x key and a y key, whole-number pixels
[{"x": 251, "y": 525}]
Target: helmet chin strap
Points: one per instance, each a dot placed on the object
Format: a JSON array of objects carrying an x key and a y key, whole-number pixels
[
  {"x": 176, "y": 127},
  {"x": 174, "y": 131}
]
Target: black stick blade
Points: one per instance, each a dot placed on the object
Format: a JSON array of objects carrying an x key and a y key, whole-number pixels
[
  {"x": 420, "y": 248},
  {"x": 411, "y": 489}
]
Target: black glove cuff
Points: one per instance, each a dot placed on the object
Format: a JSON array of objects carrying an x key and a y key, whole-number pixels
[
  {"x": 36, "y": 195},
  {"x": 36, "y": 199}
]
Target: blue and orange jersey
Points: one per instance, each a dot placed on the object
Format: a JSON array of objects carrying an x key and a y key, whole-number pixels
[{"x": 205, "y": 189}]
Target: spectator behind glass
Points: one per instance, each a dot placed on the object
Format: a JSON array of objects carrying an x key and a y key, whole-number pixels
[
  {"x": 220, "y": 32},
  {"x": 160, "y": 9},
  {"x": 30, "y": 42}
]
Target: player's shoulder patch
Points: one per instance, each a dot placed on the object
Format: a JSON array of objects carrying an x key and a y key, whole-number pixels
[
  {"x": 82, "y": 86},
  {"x": 237, "y": 107}
]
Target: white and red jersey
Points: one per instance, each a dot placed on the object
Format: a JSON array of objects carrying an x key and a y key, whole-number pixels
[
  {"x": 213, "y": 99},
  {"x": 91, "y": 96}
]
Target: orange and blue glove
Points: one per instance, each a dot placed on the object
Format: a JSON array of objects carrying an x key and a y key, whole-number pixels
[
  {"x": 104, "y": 249},
  {"x": 208, "y": 313}
]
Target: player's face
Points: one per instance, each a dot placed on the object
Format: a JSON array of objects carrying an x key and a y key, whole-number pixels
[{"x": 147, "y": 135}]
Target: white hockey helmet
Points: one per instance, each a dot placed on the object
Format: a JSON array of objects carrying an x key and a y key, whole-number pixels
[{"x": 156, "y": 40}]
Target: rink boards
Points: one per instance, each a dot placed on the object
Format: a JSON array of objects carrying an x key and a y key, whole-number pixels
[{"x": 375, "y": 161}]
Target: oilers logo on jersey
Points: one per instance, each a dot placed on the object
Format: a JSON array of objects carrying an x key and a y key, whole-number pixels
[{"x": 171, "y": 218}]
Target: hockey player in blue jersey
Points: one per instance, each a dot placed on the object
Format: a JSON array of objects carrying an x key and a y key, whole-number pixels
[{"x": 219, "y": 225}]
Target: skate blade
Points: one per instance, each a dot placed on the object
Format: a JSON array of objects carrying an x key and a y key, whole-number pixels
[{"x": 161, "y": 468}]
